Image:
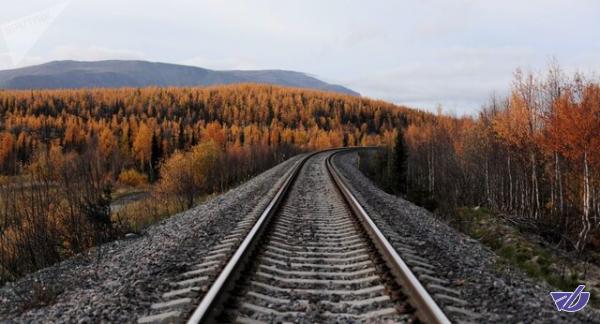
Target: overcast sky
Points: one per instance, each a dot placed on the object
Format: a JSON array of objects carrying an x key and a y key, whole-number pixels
[{"x": 420, "y": 53}]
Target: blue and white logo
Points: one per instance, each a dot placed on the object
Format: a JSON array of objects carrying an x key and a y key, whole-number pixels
[{"x": 571, "y": 301}]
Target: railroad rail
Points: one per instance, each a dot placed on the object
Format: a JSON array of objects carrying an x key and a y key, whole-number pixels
[
  {"x": 311, "y": 255},
  {"x": 323, "y": 259}
]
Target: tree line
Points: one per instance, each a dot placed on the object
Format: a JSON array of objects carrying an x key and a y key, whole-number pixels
[{"x": 138, "y": 127}]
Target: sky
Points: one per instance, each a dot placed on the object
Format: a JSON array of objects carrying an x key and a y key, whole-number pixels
[{"x": 422, "y": 53}]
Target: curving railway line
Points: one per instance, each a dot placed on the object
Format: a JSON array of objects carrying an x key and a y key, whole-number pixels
[{"x": 313, "y": 255}]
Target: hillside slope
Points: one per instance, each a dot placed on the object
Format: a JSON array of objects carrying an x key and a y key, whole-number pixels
[{"x": 113, "y": 74}]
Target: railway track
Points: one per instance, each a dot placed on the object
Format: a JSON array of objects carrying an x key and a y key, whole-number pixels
[{"x": 313, "y": 255}]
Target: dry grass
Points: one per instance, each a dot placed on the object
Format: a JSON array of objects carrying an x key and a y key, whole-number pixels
[{"x": 136, "y": 215}]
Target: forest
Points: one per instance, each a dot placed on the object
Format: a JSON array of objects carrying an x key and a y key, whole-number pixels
[
  {"x": 533, "y": 157},
  {"x": 66, "y": 154}
]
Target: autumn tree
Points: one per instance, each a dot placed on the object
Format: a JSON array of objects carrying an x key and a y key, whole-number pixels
[
  {"x": 7, "y": 152},
  {"x": 187, "y": 175},
  {"x": 142, "y": 147},
  {"x": 575, "y": 127}
]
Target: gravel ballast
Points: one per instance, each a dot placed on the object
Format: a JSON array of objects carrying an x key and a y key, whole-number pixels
[
  {"x": 505, "y": 296},
  {"x": 117, "y": 282},
  {"x": 315, "y": 264}
]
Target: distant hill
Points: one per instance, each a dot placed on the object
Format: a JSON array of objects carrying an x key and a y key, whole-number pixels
[{"x": 115, "y": 73}]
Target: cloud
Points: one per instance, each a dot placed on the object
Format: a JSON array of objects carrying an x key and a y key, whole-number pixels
[
  {"x": 459, "y": 77},
  {"x": 5, "y": 61},
  {"x": 90, "y": 53},
  {"x": 93, "y": 53},
  {"x": 359, "y": 35},
  {"x": 225, "y": 63},
  {"x": 450, "y": 17},
  {"x": 265, "y": 18}
]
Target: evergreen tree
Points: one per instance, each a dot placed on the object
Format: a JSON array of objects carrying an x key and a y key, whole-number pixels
[
  {"x": 181, "y": 137},
  {"x": 399, "y": 169},
  {"x": 155, "y": 157}
]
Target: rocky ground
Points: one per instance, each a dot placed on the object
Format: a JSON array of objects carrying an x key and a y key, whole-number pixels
[
  {"x": 497, "y": 295},
  {"x": 118, "y": 282}
]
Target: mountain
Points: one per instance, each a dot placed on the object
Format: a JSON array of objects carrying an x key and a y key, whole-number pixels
[{"x": 116, "y": 73}]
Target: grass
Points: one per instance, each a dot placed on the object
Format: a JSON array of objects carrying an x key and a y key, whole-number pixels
[
  {"x": 124, "y": 191},
  {"x": 136, "y": 215},
  {"x": 521, "y": 250}
]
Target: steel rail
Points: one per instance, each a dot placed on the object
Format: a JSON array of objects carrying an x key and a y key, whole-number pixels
[
  {"x": 427, "y": 309},
  {"x": 209, "y": 307}
]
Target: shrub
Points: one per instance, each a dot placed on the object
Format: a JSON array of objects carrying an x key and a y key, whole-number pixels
[
  {"x": 59, "y": 207},
  {"x": 187, "y": 175},
  {"x": 131, "y": 177}
]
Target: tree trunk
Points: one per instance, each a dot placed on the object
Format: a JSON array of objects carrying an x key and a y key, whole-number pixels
[
  {"x": 559, "y": 184},
  {"x": 487, "y": 183},
  {"x": 535, "y": 196},
  {"x": 585, "y": 217},
  {"x": 524, "y": 193},
  {"x": 510, "y": 187},
  {"x": 431, "y": 171}
]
